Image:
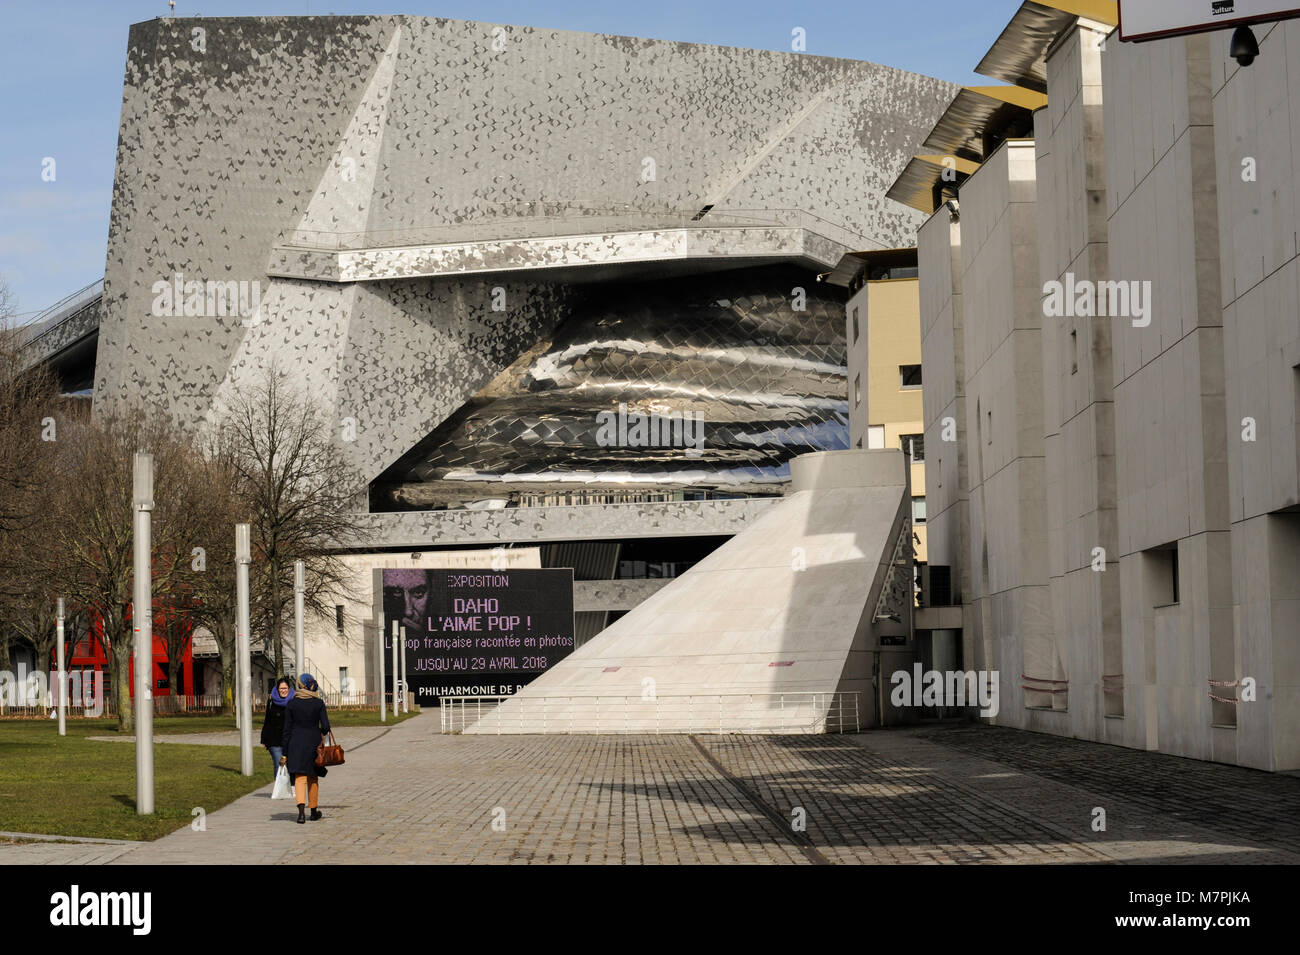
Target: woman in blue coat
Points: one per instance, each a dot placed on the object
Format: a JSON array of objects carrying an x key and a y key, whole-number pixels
[
  {"x": 305, "y": 722},
  {"x": 273, "y": 723}
]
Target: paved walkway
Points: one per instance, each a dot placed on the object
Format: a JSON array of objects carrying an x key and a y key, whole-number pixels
[{"x": 937, "y": 794}]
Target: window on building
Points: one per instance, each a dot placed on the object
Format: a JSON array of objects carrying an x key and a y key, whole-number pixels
[
  {"x": 990, "y": 428},
  {"x": 1074, "y": 351},
  {"x": 856, "y": 331},
  {"x": 910, "y": 375},
  {"x": 338, "y": 617},
  {"x": 1163, "y": 575},
  {"x": 913, "y": 444},
  {"x": 345, "y": 685},
  {"x": 875, "y": 436},
  {"x": 918, "y": 510},
  {"x": 857, "y": 390}
]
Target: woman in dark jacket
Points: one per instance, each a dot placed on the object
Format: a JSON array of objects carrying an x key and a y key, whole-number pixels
[
  {"x": 273, "y": 723},
  {"x": 305, "y": 722}
]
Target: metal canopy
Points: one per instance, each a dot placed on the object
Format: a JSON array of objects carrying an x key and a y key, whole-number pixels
[
  {"x": 916, "y": 185},
  {"x": 979, "y": 114},
  {"x": 852, "y": 263},
  {"x": 1019, "y": 56}
]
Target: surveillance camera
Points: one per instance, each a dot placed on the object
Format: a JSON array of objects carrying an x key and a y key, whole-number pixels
[
  {"x": 1244, "y": 47},
  {"x": 954, "y": 209}
]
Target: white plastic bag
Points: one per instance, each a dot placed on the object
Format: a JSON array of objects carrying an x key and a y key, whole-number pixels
[{"x": 282, "y": 789}]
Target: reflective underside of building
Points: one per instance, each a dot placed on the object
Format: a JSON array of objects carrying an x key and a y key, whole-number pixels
[{"x": 706, "y": 384}]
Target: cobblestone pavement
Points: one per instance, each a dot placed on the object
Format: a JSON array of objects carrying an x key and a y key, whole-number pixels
[
  {"x": 60, "y": 853},
  {"x": 937, "y": 794}
]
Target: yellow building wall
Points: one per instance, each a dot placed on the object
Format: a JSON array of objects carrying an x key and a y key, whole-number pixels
[{"x": 889, "y": 336}]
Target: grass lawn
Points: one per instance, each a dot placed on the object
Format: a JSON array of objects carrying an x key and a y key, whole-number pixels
[
  {"x": 207, "y": 723},
  {"x": 79, "y": 787}
]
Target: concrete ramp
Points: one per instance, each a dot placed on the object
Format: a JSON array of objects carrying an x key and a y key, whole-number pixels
[{"x": 773, "y": 632}]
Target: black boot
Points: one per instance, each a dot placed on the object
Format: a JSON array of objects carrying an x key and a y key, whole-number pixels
[
  {"x": 316, "y": 814},
  {"x": 302, "y": 808}
]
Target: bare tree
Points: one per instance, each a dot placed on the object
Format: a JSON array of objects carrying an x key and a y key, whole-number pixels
[
  {"x": 301, "y": 496},
  {"x": 178, "y": 635},
  {"x": 29, "y": 408},
  {"x": 35, "y": 622},
  {"x": 94, "y": 532},
  {"x": 212, "y": 583}
]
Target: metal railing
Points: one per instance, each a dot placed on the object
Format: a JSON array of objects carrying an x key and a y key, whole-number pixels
[
  {"x": 316, "y": 670},
  {"x": 63, "y": 309},
  {"x": 742, "y": 713},
  {"x": 174, "y": 705},
  {"x": 544, "y": 219},
  {"x": 34, "y": 707}
]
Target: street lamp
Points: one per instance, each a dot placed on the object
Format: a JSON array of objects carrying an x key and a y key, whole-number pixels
[
  {"x": 142, "y": 619},
  {"x": 397, "y": 635},
  {"x": 379, "y": 657},
  {"x": 63, "y": 676},
  {"x": 299, "y": 597},
  {"x": 243, "y": 649}
]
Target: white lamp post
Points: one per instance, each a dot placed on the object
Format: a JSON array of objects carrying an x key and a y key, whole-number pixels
[
  {"x": 142, "y": 621},
  {"x": 243, "y": 647}
]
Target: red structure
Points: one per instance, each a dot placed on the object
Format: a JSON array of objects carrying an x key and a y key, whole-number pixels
[{"x": 90, "y": 654}]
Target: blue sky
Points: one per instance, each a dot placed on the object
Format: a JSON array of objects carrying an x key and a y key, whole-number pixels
[{"x": 61, "y": 66}]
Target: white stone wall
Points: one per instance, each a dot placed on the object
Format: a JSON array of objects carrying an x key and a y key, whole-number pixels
[
  {"x": 1256, "y": 114},
  {"x": 1078, "y": 413},
  {"x": 942, "y": 344},
  {"x": 1164, "y": 163},
  {"x": 1170, "y": 410},
  {"x": 1002, "y": 317}
]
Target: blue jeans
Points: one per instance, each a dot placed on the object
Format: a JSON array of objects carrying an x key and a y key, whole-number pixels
[{"x": 276, "y": 753}]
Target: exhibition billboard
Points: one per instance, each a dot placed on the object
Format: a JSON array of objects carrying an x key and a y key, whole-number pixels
[
  {"x": 477, "y": 632},
  {"x": 1141, "y": 20}
]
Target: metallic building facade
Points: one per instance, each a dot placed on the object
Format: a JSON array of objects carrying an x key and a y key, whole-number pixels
[
  {"x": 466, "y": 242},
  {"x": 420, "y": 206}
]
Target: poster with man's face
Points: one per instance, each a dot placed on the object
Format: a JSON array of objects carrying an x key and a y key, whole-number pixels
[
  {"x": 406, "y": 600},
  {"x": 476, "y": 632}
]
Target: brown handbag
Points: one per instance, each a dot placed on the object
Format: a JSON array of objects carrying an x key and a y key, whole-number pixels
[{"x": 329, "y": 754}]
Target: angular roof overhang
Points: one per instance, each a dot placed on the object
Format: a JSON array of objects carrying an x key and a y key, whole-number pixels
[
  {"x": 1019, "y": 55},
  {"x": 980, "y": 117},
  {"x": 921, "y": 182},
  {"x": 852, "y": 263}
]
